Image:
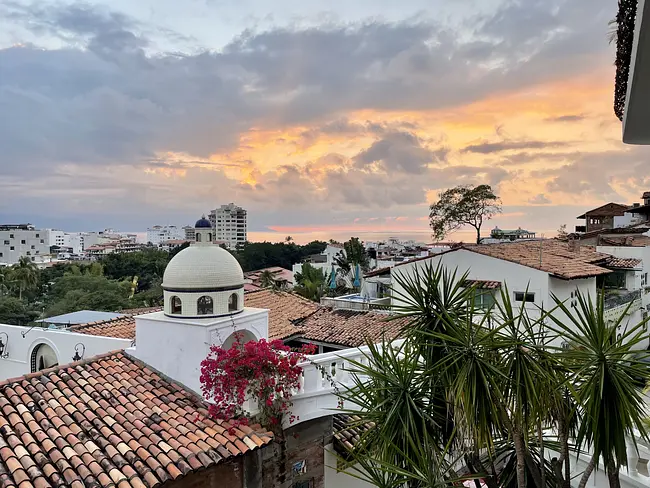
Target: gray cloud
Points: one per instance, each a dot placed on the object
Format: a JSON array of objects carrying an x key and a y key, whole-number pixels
[
  {"x": 400, "y": 151},
  {"x": 495, "y": 147},
  {"x": 539, "y": 199},
  {"x": 567, "y": 118}
]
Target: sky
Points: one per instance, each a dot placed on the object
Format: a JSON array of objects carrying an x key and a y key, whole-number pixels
[{"x": 322, "y": 119}]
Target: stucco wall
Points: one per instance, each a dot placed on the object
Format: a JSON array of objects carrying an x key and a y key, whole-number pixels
[
  {"x": 176, "y": 347},
  {"x": 62, "y": 342},
  {"x": 518, "y": 278},
  {"x": 339, "y": 479}
]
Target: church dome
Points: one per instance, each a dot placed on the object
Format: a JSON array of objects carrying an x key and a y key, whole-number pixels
[
  {"x": 203, "y": 223},
  {"x": 203, "y": 280},
  {"x": 203, "y": 267}
]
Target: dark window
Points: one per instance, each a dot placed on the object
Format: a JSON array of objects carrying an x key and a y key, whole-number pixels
[
  {"x": 23, "y": 241},
  {"x": 483, "y": 298},
  {"x": 11, "y": 248},
  {"x": 6, "y": 243},
  {"x": 232, "y": 302},
  {"x": 11, "y": 236},
  {"x": 0, "y": 254},
  {"x": 42, "y": 241},
  {"x": 521, "y": 296},
  {"x": 38, "y": 235},
  {"x": 198, "y": 237},
  {"x": 204, "y": 306},
  {"x": 33, "y": 247},
  {"x": 176, "y": 305}
]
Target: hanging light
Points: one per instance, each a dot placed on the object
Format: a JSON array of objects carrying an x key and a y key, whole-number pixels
[
  {"x": 4, "y": 343},
  {"x": 77, "y": 356}
]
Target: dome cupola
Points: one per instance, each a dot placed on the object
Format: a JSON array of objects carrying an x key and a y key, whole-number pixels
[{"x": 203, "y": 280}]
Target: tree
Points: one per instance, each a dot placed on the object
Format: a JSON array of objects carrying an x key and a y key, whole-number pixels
[
  {"x": 608, "y": 377},
  {"x": 562, "y": 233},
  {"x": 267, "y": 279},
  {"x": 25, "y": 275},
  {"x": 288, "y": 239},
  {"x": 73, "y": 292},
  {"x": 16, "y": 312},
  {"x": 311, "y": 282},
  {"x": 461, "y": 206},
  {"x": 480, "y": 389}
]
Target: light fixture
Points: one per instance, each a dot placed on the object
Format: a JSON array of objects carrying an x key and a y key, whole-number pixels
[
  {"x": 4, "y": 343},
  {"x": 77, "y": 356}
]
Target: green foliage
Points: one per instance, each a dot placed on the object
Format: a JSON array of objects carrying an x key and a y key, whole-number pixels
[
  {"x": 14, "y": 311},
  {"x": 74, "y": 292},
  {"x": 491, "y": 389},
  {"x": 311, "y": 282},
  {"x": 461, "y": 206},
  {"x": 259, "y": 255},
  {"x": 148, "y": 265},
  {"x": 354, "y": 252}
]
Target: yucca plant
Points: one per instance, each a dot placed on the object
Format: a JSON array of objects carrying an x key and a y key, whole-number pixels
[{"x": 606, "y": 378}]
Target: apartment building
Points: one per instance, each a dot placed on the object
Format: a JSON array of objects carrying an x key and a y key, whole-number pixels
[
  {"x": 21, "y": 240},
  {"x": 159, "y": 234},
  {"x": 229, "y": 223},
  {"x": 73, "y": 241}
]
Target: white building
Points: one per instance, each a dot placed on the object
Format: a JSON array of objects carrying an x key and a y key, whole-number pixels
[
  {"x": 230, "y": 225},
  {"x": 159, "y": 234},
  {"x": 73, "y": 241},
  {"x": 24, "y": 240}
]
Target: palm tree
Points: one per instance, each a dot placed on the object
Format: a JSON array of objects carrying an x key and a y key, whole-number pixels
[
  {"x": 311, "y": 282},
  {"x": 288, "y": 239},
  {"x": 267, "y": 279},
  {"x": 607, "y": 377},
  {"x": 25, "y": 274}
]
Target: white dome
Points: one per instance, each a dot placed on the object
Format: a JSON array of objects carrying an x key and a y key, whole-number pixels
[{"x": 203, "y": 267}]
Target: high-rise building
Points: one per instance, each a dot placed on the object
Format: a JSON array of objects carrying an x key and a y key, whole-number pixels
[
  {"x": 23, "y": 240},
  {"x": 229, "y": 223},
  {"x": 190, "y": 233},
  {"x": 72, "y": 241}
]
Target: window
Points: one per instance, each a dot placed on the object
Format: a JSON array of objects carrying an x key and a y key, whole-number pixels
[
  {"x": 198, "y": 237},
  {"x": 11, "y": 248},
  {"x": 38, "y": 235},
  {"x": 521, "y": 296},
  {"x": 42, "y": 241},
  {"x": 176, "y": 305},
  {"x": 11, "y": 236},
  {"x": 232, "y": 302},
  {"x": 483, "y": 298},
  {"x": 33, "y": 247},
  {"x": 29, "y": 253},
  {"x": 23, "y": 241},
  {"x": 204, "y": 306},
  {"x": 6, "y": 243},
  {"x": 0, "y": 254},
  {"x": 209, "y": 237}
]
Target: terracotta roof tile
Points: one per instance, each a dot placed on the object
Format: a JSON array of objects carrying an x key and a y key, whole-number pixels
[
  {"x": 483, "y": 284},
  {"x": 285, "y": 310},
  {"x": 550, "y": 255},
  {"x": 348, "y": 430},
  {"x": 48, "y": 445},
  {"x": 351, "y": 328},
  {"x": 623, "y": 263}
]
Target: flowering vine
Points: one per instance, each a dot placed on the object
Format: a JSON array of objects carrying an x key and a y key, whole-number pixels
[{"x": 264, "y": 371}]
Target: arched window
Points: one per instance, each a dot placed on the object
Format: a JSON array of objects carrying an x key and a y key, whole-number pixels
[
  {"x": 204, "y": 306},
  {"x": 232, "y": 302},
  {"x": 176, "y": 305},
  {"x": 198, "y": 237},
  {"x": 43, "y": 357},
  {"x": 209, "y": 237}
]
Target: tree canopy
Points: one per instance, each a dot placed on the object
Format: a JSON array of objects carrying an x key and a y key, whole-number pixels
[{"x": 463, "y": 206}]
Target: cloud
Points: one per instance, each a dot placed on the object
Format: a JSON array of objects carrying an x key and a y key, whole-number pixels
[
  {"x": 495, "y": 147},
  {"x": 400, "y": 151},
  {"x": 539, "y": 199},
  {"x": 566, "y": 118}
]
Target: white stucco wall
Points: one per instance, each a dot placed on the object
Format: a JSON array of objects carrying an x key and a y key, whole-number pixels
[
  {"x": 339, "y": 479},
  {"x": 517, "y": 277},
  {"x": 176, "y": 347},
  {"x": 62, "y": 343}
]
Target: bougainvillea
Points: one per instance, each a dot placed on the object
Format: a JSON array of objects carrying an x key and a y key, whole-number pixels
[{"x": 263, "y": 371}]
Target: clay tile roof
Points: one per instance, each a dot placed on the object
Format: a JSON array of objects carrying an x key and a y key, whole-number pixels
[
  {"x": 348, "y": 430},
  {"x": 623, "y": 263},
  {"x": 378, "y": 272},
  {"x": 624, "y": 241},
  {"x": 285, "y": 310},
  {"x": 108, "y": 421},
  {"x": 550, "y": 255},
  {"x": 120, "y": 328},
  {"x": 608, "y": 210},
  {"x": 351, "y": 328},
  {"x": 483, "y": 284}
]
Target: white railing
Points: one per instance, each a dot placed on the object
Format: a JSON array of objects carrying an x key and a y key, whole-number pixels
[{"x": 324, "y": 375}]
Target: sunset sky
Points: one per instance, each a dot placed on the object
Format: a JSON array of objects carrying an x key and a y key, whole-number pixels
[{"x": 323, "y": 119}]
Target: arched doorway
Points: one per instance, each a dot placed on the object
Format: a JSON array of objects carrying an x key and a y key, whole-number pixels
[{"x": 43, "y": 357}]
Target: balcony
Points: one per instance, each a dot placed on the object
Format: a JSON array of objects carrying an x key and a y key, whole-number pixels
[{"x": 356, "y": 302}]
